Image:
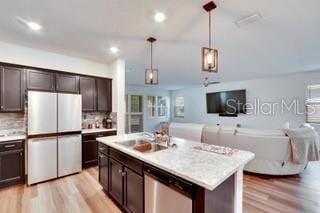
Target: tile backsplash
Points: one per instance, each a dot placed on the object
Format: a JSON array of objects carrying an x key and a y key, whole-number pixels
[
  {"x": 97, "y": 117},
  {"x": 11, "y": 122}
]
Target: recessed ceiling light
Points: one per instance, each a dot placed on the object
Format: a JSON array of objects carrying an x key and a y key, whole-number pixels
[
  {"x": 32, "y": 25},
  {"x": 114, "y": 49},
  {"x": 159, "y": 17}
]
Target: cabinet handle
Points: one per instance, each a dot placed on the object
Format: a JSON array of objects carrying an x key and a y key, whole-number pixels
[
  {"x": 119, "y": 171},
  {"x": 9, "y": 146},
  {"x": 1, "y": 107},
  {"x": 20, "y": 154},
  {"x": 123, "y": 174}
]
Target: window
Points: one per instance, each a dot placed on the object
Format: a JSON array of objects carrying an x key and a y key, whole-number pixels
[
  {"x": 313, "y": 104},
  {"x": 134, "y": 113},
  {"x": 179, "y": 107},
  {"x": 156, "y": 106}
]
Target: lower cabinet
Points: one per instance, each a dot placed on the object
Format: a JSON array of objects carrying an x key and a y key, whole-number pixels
[
  {"x": 11, "y": 163},
  {"x": 90, "y": 147},
  {"x": 122, "y": 179},
  {"x": 116, "y": 181},
  {"x": 133, "y": 191},
  {"x": 104, "y": 171}
]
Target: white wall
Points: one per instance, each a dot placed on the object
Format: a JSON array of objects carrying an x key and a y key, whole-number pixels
[
  {"x": 274, "y": 89},
  {"x": 118, "y": 93},
  {"x": 150, "y": 124},
  {"x": 15, "y": 54}
]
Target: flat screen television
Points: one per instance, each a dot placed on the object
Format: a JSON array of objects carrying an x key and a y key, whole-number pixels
[{"x": 227, "y": 102}]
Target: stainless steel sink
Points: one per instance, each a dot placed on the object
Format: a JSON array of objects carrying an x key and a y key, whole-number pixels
[
  {"x": 142, "y": 145},
  {"x": 149, "y": 147},
  {"x": 132, "y": 143}
]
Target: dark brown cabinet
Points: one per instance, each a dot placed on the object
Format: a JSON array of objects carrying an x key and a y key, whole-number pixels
[
  {"x": 104, "y": 96},
  {"x": 11, "y": 163},
  {"x": 124, "y": 177},
  {"x": 133, "y": 191},
  {"x": 41, "y": 80},
  {"x": 88, "y": 92},
  {"x": 104, "y": 171},
  {"x": 116, "y": 181},
  {"x": 12, "y": 89},
  {"x": 90, "y": 148},
  {"x": 67, "y": 83}
]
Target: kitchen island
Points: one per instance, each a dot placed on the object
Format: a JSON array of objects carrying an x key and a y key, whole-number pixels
[{"x": 195, "y": 181}]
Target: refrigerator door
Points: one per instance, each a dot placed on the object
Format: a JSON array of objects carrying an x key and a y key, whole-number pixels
[
  {"x": 42, "y": 113},
  {"x": 69, "y": 158},
  {"x": 69, "y": 112},
  {"x": 42, "y": 159}
]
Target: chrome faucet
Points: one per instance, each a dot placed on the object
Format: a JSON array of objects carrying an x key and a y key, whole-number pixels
[{"x": 151, "y": 135}]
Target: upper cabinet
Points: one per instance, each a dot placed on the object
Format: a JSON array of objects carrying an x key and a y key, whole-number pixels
[
  {"x": 12, "y": 89},
  {"x": 41, "y": 80},
  {"x": 67, "y": 83},
  {"x": 104, "y": 94},
  {"x": 88, "y": 92}
]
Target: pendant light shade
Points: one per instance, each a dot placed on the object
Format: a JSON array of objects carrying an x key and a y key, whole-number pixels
[
  {"x": 151, "y": 74},
  {"x": 209, "y": 54}
]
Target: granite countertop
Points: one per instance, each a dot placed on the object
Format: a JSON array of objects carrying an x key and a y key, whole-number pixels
[
  {"x": 203, "y": 168},
  {"x": 88, "y": 131},
  {"x": 12, "y": 138}
]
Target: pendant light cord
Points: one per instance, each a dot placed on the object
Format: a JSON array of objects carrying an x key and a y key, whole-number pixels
[
  {"x": 151, "y": 56},
  {"x": 210, "y": 29}
]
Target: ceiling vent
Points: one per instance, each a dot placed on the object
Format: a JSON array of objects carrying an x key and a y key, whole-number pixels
[{"x": 250, "y": 19}]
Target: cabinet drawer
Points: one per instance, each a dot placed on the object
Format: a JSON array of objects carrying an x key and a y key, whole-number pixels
[
  {"x": 11, "y": 145},
  {"x": 104, "y": 149},
  {"x": 128, "y": 161}
]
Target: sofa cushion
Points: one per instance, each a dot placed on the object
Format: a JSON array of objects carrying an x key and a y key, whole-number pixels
[{"x": 261, "y": 132}]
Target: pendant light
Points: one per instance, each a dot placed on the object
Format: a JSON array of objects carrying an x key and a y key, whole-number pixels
[
  {"x": 151, "y": 75},
  {"x": 209, "y": 54}
]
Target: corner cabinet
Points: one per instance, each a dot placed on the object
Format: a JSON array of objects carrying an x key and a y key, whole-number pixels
[
  {"x": 12, "y": 88},
  {"x": 104, "y": 95},
  {"x": 122, "y": 180},
  {"x": 11, "y": 163},
  {"x": 88, "y": 92}
]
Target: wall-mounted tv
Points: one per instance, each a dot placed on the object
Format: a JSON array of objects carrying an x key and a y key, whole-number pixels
[{"x": 227, "y": 102}]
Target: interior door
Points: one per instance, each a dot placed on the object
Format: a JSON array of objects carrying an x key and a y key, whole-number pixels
[
  {"x": 69, "y": 112},
  {"x": 42, "y": 112},
  {"x": 69, "y": 152},
  {"x": 42, "y": 159}
]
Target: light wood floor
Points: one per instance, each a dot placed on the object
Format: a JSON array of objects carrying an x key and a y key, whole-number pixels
[{"x": 82, "y": 193}]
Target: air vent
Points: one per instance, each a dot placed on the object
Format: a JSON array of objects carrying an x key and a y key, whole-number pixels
[{"x": 250, "y": 19}]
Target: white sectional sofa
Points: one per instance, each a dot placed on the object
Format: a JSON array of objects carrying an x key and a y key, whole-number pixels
[{"x": 271, "y": 147}]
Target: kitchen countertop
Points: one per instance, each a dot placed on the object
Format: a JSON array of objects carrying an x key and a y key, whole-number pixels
[
  {"x": 88, "y": 131},
  {"x": 12, "y": 138},
  {"x": 203, "y": 168}
]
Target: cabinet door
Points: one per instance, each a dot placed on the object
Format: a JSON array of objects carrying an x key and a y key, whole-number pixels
[
  {"x": 89, "y": 153},
  {"x": 104, "y": 171},
  {"x": 116, "y": 181},
  {"x": 67, "y": 83},
  {"x": 104, "y": 95},
  {"x": 11, "y": 167},
  {"x": 133, "y": 191},
  {"x": 88, "y": 92},
  {"x": 12, "y": 89},
  {"x": 41, "y": 80}
]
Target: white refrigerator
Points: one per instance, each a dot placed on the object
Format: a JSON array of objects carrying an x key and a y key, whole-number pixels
[{"x": 54, "y": 135}]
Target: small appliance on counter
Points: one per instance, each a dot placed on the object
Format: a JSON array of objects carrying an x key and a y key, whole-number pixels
[{"x": 107, "y": 123}]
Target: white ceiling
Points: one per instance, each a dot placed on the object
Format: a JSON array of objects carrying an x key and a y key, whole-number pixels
[{"x": 286, "y": 40}]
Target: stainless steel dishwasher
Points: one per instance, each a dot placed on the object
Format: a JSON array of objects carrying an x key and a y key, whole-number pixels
[{"x": 165, "y": 193}]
